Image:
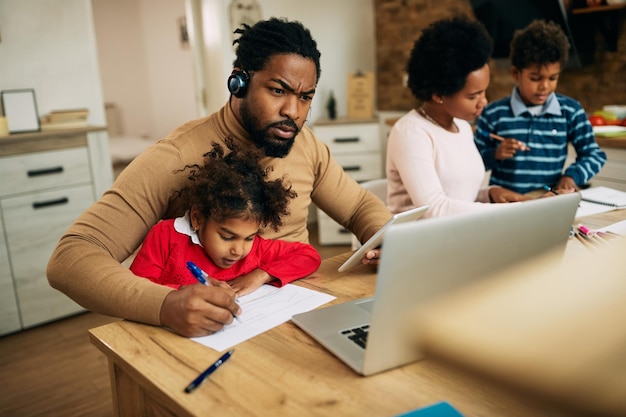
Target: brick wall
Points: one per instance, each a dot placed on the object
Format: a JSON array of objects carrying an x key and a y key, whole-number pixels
[{"x": 399, "y": 23}]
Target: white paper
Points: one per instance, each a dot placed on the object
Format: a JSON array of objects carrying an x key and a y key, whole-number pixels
[
  {"x": 605, "y": 194},
  {"x": 619, "y": 228},
  {"x": 587, "y": 209},
  {"x": 262, "y": 310}
]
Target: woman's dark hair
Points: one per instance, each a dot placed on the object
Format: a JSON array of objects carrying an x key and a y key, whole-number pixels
[
  {"x": 445, "y": 54},
  {"x": 540, "y": 43},
  {"x": 236, "y": 186},
  {"x": 258, "y": 43}
]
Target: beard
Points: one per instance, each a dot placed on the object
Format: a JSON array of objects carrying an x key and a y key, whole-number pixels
[{"x": 260, "y": 136}]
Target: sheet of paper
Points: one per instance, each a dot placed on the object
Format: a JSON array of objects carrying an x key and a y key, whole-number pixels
[
  {"x": 605, "y": 194},
  {"x": 264, "y": 309},
  {"x": 619, "y": 228},
  {"x": 587, "y": 209}
]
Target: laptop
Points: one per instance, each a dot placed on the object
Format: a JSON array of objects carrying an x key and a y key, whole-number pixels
[
  {"x": 425, "y": 259},
  {"x": 377, "y": 239}
]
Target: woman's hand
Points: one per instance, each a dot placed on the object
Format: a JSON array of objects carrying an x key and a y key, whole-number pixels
[{"x": 502, "y": 195}]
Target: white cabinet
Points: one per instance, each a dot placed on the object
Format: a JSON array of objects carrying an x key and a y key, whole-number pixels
[
  {"x": 356, "y": 145},
  {"x": 9, "y": 317},
  {"x": 44, "y": 188}
]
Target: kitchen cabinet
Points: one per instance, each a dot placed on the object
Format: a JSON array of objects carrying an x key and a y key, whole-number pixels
[
  {"x": 356, "y": 145},
  {"x": 48, "y": 180}
]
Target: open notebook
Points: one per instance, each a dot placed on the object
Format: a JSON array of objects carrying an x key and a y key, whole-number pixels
[{"x": 600, "y": 199}]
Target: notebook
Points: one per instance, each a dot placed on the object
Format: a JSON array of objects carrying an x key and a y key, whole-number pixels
[
  {"x": 600, "y": 199},
  {"x": 424, "y": 259},
  {"x": 377, "y": 239}
]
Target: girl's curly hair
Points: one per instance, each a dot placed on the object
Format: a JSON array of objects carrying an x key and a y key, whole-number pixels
[{"x": 235, "y": 185}]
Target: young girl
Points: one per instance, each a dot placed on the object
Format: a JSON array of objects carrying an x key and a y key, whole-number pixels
[{"x": 228, "y": 201}]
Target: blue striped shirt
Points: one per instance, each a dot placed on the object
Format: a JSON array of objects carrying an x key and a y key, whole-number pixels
[{"x": 562, "y": 120}]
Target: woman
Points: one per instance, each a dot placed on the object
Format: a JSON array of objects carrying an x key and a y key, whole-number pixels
[{"x": 431, "y": 156}]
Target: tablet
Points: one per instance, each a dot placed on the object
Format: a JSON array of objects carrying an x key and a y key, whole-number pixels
[{"x": 376, "y": 240}]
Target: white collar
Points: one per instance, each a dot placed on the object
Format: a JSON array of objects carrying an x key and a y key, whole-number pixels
[{"x": 183, "y": 225}]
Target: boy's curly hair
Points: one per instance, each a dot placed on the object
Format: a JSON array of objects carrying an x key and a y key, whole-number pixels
[
  {"x": 540, "y": 43},
  {"x": 234, "y": 185},
  {"x": 445, "y": 54}
]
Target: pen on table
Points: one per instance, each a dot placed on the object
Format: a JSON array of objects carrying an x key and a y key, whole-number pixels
[
  {"x": 592, "y": 234},
  {"x": 548, "y": 188},
  {"x": 204, "y": 375},
  {"x": 586, "y": 231},
  {"x": 201, "y": 277},
  {"x": 608, "y": 235},
  {"x": 502, "y": 139},
  {"x": 583, "y": 239}
]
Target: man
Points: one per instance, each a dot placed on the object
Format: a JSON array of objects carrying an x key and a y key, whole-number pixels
[{"x": 275, "y": 75}]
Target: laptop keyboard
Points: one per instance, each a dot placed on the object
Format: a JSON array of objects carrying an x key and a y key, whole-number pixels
[{"x": 358, "y": 335}]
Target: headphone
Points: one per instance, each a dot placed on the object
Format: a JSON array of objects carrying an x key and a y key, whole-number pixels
[{"x": 238, "y": 83}]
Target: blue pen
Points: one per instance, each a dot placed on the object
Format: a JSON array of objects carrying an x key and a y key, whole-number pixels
[
  {"x": 204, "y": 375},
  {"x": 202, "y": 276},
  {"x": 198, "y": 273},
  {"x": 548, "y": 188}
]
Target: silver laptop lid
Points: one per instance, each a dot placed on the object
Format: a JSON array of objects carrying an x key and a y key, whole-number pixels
[{"x": 427, "y": 258}]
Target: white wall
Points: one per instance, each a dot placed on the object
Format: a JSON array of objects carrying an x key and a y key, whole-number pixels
[
  {"x": 152, "y": 80},
  {"x": 49, "y": 46},
  {"x": 343, "y": 30},
  {"x": 145, "y": 70}
]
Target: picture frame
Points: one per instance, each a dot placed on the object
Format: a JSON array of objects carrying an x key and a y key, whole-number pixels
[{"x": 20, "y": 110}]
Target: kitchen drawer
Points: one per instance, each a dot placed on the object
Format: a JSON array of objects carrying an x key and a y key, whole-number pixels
[
  {"x": 34, "y": 224},
  {"x": 362, "y": 166},
  {"x": 10, "y": 321},
  {"x": 42, "y": 170},
  {"x": 350, "y": 138},
  {"x": 330, "y": 232}
]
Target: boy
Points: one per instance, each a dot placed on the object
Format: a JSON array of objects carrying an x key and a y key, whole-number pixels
[{"x": 523, "y": 138}]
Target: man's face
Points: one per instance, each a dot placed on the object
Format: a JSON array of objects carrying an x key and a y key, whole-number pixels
[{"x": 277, "y": 102}]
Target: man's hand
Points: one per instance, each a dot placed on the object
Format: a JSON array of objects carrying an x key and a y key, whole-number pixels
[
  {"x": 199, "y": 310},
  {"x": 371, "y": 257},
  {"x": 502, "y": 195}
]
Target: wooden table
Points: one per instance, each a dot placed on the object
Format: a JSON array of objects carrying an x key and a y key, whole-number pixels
[{"x": 283, "y": 372}]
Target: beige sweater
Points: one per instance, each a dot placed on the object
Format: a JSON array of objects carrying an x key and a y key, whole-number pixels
[{"x": 86, "y": 263}]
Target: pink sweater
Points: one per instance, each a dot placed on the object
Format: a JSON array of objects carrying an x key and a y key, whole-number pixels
[{"x": 426, "y": 164}]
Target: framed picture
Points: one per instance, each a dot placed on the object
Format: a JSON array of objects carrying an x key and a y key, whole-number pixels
[{"x": 20, "y": 110}]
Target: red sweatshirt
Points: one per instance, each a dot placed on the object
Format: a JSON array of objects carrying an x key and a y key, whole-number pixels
[{"x": 165, "y": 252}]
